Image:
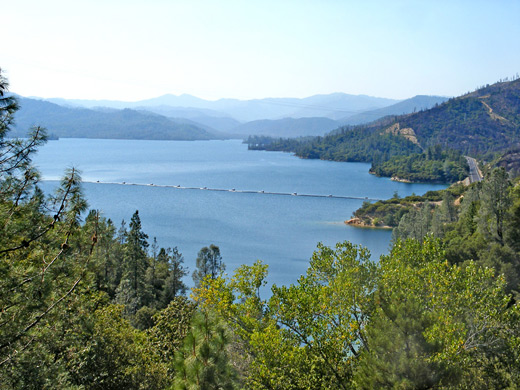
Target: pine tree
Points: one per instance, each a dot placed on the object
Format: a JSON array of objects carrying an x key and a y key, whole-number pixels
[
  {"x": 135, "y": 264},
  {"x": 165, "y": 278},
  {"x": 209, "y": 263},
  {"x": 174, "y": 285},
  {"x": 43, "y": 256},
  {"x": 203, "y": 361},
  {"x": 494, "y": 206}
]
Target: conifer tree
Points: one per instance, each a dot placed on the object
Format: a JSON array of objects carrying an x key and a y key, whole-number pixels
[
  {"x": 203, "y": 361},
  {"x": 165, "y": 278},
  {"x": 135, "y": 264},
  {"x": 43, "y": 256},
  {"x": 209, "y": 263},
  {"x": 174, "y": 285},
  {"x": 494, "y": 205}
]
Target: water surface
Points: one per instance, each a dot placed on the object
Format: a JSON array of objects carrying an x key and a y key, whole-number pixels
[{"x": 280, "y": 230}]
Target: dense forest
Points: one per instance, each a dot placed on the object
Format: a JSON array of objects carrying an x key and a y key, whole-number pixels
[
  {"x": 359, "y": 144},
  {"x": 86, "y": 305},
  {"x": 391, "y": 155},
  {"x": 484, "y": 121},
  {"x": 434, "y": 165},
  {"x": 480, "y": 222}
]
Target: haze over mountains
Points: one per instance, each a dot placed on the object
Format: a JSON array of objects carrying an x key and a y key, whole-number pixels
[
  {"x": 187, "y": 117},
  {"x": 74, "y": 122},
  {"x": 417, "y": 103},
  {"x": 334, "y": 106},
  {"x": 483, "y": 122}
]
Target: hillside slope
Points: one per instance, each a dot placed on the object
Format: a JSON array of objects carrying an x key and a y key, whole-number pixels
[
  {"x": 85, "y": 123},
  {"x": 287, "y": 127},
  {"x": 478, "y": 123},
  {"x": 414, "y": 104},
  {"x": 487, "y": 120},
  {"x": 484, "y": 121}
]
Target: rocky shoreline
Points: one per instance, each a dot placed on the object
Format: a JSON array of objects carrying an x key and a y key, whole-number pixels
[{"x": 358, "y": 222}]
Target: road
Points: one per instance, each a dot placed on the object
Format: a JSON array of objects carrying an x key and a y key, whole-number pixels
[{"x": 474, "y": 172}]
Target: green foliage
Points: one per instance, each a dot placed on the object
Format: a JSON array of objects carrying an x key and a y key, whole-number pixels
[
  {"x": 390, "y": 212},
  {"x": 203, "y": 361},
  {"x": 411, "y": 321},
  {"x": 512, "y": 233},
  {"x": 323, "y": 318},
  {"x": 495, "y": 202},
  {"x": 170, "y": 327},
  {"x": 415, "y": 224},
  {"x": 58, "y": 275},
  {"x": 437, "y": 325},
  {"x": 359, "y": 144},
  {"x": 208, "y": 263},
  {"x": 42, "y": 263},
  {"x": 169, "y": 272},
  {"x": 132, "y": 290},
  {"x": 45, "y": 255},
  {"x": 434, "y": 165},
  {"x": 117, "y": 356},
  {"x": 307, "y": 335},
  {"x": 482, "y": 228},
  {"x": 237, "y": 300}
]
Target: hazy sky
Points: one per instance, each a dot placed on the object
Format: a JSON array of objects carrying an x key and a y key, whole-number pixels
[{"x": 135, "y": 49}]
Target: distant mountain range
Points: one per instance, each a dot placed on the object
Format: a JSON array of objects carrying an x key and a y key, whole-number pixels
[
  {"x": 186, "y": 117},
  {"x": 417, "y": 103},
  {"x": 334, "y": 106},
  {"x": 480, "y": 123},
  {"x": 86, "y": 123},
  {"x": 287, "y": 127}
]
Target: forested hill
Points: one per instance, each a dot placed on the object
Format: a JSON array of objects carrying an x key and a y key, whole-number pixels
[
  {"x": 481, "y": 122},
  {"x": 108, "y": 123},
  {"x": 487, "y": 120}
]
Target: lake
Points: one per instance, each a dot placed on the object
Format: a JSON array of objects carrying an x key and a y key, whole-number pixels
[{"x": 280, "y": 230}]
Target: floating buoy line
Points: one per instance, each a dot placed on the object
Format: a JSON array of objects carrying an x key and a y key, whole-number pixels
[{"x": 237, "y": 191}]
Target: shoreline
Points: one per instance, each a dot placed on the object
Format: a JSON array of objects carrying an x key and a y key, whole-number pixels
[{"x": 358, "y": 223}]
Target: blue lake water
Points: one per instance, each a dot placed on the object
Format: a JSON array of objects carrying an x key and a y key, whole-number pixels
[{"x": 280, "y": 230}]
